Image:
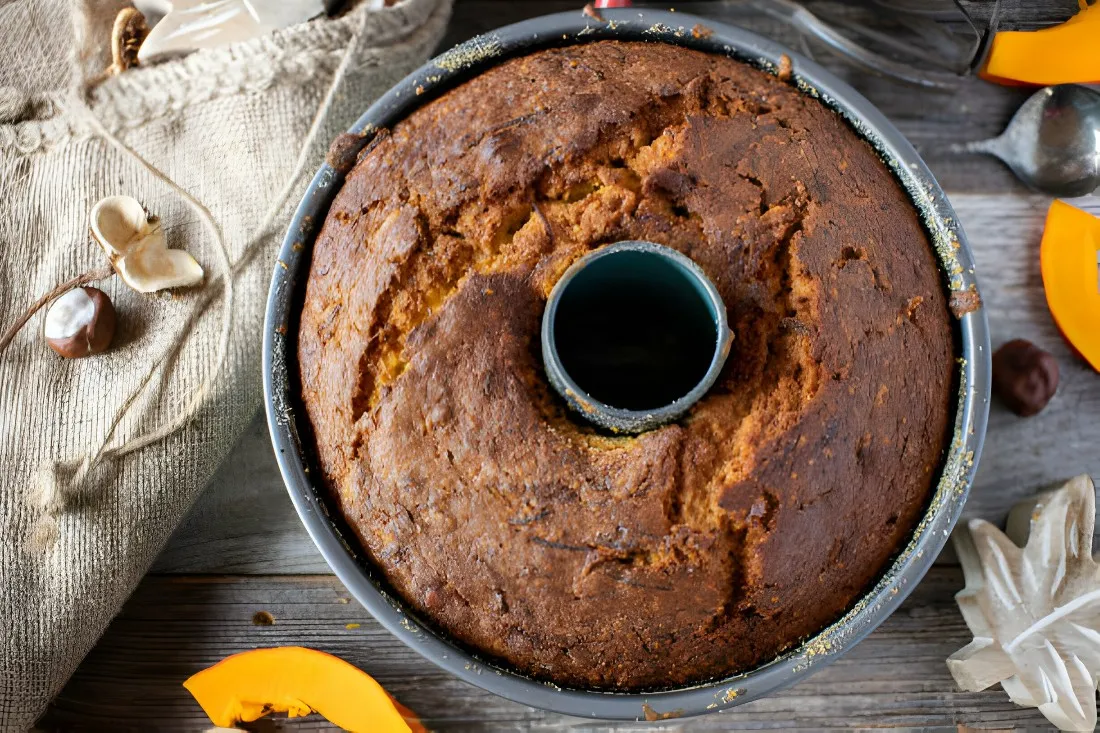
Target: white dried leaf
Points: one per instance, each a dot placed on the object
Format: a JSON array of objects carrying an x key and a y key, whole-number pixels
[
  {"x": 1035, "y": 611},
  {"x": 137, "y": 247}
]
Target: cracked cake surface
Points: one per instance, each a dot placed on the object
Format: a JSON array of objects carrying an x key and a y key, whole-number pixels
[{"x": 699, "y": 549}]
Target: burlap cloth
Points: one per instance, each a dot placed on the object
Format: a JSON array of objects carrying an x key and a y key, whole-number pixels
[{"x": 226, "y": 125}]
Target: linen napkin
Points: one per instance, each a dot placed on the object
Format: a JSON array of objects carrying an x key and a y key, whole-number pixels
[{"x": 226, "y": 125}]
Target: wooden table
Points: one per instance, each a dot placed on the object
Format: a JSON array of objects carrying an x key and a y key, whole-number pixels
[{"x": 242, "y": 549}]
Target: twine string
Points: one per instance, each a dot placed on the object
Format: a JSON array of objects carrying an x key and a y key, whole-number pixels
[{"x": 54, "y": 492}]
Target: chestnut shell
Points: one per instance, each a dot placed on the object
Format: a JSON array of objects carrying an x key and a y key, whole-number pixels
[{"x": 93, "y": 338}]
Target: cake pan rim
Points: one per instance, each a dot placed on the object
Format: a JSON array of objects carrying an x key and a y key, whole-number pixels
[{"x": 953, "y": 254}]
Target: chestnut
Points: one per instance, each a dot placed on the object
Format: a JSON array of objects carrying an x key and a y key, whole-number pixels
[
  {"x": 1025, "y": 377},
  {"x": 80, "y": 323}
]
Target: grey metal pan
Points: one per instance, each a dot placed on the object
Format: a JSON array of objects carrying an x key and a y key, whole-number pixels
[{"x": 339, "y": 546}]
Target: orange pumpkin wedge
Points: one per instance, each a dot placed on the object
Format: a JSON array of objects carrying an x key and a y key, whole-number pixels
[
  {"x": 1069, "y": 258},
  {"x": 1063, "y": 54},
  {"x": 297, "y": 681}
]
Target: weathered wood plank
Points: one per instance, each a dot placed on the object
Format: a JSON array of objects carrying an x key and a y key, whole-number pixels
[
  {"x": 1024, "y": 454},
  {"x": 244, "y": 523},
  {"x": 174, "y": 626}
]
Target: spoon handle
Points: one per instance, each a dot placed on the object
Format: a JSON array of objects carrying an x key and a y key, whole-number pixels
[{"x": 993, "y": 146}]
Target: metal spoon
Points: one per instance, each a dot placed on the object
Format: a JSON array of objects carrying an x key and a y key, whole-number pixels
[{"x": 1052, "y": 143}]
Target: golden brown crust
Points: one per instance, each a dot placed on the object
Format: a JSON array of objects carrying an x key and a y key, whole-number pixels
[{"x": 688, "y": 552}]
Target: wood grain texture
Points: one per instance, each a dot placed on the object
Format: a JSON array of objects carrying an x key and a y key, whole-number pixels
[
  {"x": 175, "y": 626},
  {"x": 1023, "y": 455}
]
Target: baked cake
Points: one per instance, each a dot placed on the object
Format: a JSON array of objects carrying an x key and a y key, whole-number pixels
[{"x": 689, "y": 552}]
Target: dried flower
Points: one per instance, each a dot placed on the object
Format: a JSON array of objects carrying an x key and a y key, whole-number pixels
[
  {"x": 137, "y": 248},
  {"x": 129, "y": 31}
]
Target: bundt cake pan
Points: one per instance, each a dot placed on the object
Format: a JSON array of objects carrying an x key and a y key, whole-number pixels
[{"x": 339, "y": 546}]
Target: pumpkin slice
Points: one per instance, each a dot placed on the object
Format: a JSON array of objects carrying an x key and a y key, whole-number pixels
[
  {"x": 1069, "y": 257},
  {"x": 297, "y": 681},
  {"x": 1063, "y": 54}
]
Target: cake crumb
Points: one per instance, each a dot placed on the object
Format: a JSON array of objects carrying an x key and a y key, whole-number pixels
[
  {"x": 469, "y": 53},
  {"x": 652, "y": 715},
  {"x": 701, "y": 31},
  {"x": 785, "y": 68},
  {"x": 344, "y": 151},
  {"x": 964, "y": 301},
  {"x": 912, "y": 305}
]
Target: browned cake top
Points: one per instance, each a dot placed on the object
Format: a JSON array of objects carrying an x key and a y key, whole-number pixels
[{"x": 685, "y": 553}]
